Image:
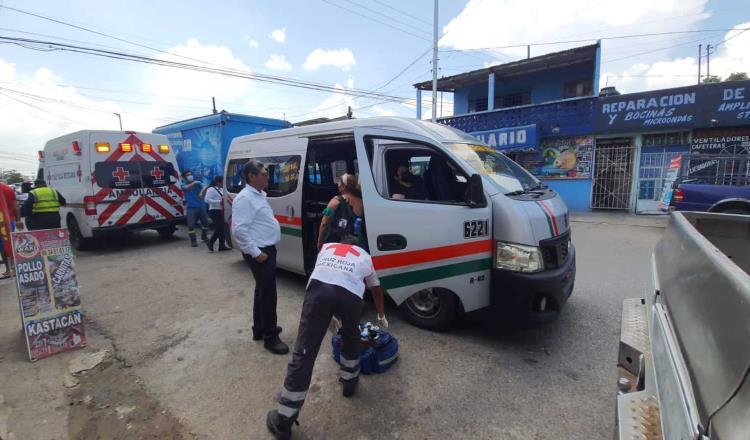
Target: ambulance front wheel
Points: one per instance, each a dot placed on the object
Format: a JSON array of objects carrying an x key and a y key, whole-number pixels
[
  {"x": 431, "y": 309},
  {"x": 76, "y": 239}
]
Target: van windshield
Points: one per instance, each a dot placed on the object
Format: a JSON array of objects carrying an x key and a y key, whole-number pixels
[
  {"x": 487, "y": 161},
  {"x": 133, "y": 175}
]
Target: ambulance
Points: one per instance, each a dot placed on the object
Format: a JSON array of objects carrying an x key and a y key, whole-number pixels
[
  {"x": 488, "y": 240},
  {"x": 113, "y": 181}
]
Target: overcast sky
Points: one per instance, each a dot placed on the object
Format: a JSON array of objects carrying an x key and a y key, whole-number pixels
[{"x": 361, "y": 44}]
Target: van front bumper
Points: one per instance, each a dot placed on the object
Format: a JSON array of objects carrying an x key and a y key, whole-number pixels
[{"x": 525, "y": 299}]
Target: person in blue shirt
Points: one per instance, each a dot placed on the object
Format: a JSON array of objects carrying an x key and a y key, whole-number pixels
[{"x": 196, "y": 208}]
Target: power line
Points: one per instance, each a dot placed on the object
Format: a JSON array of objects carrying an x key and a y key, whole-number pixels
[
  {"x": 376, "y": 20},
  {"x": 655, "y": 50},
  {"x": 291, "y": 82},
  {"x": 619, "y": 37},
  {"x": 403, "y": 12},
  {"x": 733, "y": 36},
  {"x": 389, "y": 17}
]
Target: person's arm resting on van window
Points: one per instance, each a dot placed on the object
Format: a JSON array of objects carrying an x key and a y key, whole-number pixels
[
  {"x": 327, "y": 213},
  {"x": 242, "y": 218}
]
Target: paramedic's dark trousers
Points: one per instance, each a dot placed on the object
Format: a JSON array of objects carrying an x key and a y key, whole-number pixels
[
  {"x": 45, "y": 220},
  {"x": 322, "y": 302},
  {"x": 264, "y": 302}
]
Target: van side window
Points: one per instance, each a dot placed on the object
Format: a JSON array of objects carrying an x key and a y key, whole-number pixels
[
  {"x": 283, "y": 173},
  {"x": 422, "y": 174}
]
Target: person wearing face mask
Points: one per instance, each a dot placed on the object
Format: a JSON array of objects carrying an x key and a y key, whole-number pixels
[
  {"x": 196, "y": 208},
  {"x": 406, "y": 185},
  {"x": 214, "y": 195}
]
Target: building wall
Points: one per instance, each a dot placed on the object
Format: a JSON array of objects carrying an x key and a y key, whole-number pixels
[
  {"x": 575, "y": 192},
  {"x": 543, "y": 86}
]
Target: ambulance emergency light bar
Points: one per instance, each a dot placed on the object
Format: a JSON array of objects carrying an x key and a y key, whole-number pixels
[
  {"x": 164, "y": 149},
  {"x": 126, "y": 148},
  {"x": 146, "y": 148},
  {"x": 102, "y": 147}
]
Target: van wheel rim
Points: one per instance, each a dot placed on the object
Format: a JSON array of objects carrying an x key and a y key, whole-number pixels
[{"x": 425, "y": 303}]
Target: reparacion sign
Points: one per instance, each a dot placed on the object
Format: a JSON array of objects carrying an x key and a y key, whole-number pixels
[
  {"x": 719, "y": 104},
  {"x": 509, "y": 139}
]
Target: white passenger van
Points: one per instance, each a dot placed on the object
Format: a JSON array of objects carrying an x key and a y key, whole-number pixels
[
  {"x": 113, "y": 181},
  {"x": 488, "y": 239}
]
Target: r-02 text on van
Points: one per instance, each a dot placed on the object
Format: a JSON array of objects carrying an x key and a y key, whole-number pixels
[
  {"x": 113, "y": 181},
  {"x": 484, "y": 238}
]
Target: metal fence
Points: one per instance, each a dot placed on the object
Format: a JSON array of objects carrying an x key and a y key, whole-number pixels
[{"x": 613, "y": 174}]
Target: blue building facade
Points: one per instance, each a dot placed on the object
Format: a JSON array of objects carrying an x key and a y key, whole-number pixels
[{"x": 539, "y": 111}]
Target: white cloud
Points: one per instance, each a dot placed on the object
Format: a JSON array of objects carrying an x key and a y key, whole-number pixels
[
  {"x": 278, "y": 62},
  {"x": 251, "y": 42},
  {"x": 341, "y": 58},
  {"x": 380, "y": 111},
  {"x": 279, "y": 35},
  {"x": 335, "y": 105},
  {"x": 732, "y": 56}
]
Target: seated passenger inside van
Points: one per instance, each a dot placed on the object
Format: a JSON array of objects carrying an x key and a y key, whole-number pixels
[{"x": 406, "y": 185}]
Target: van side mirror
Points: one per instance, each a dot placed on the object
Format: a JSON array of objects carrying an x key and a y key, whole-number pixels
[
  {"x": 25, "y": 187},
  {"x": 475, "y": 192}
]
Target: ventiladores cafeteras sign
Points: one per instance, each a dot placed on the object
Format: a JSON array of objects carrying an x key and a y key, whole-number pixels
[{"x": 48, "y": 295}]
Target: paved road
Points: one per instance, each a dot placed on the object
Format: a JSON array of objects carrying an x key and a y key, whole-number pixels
[{"x": 180, "y": 318}]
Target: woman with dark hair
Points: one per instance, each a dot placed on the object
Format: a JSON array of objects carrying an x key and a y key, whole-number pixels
[
  {"x": 214, "y": 195},
  {"x": 345, "y": 214}
]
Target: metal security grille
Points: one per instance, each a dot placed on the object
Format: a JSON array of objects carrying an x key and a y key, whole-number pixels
[
  {"x": 716, "y": 169},
  {"x": 613, "y": 174},
  {"x": 651, "y": 174}
]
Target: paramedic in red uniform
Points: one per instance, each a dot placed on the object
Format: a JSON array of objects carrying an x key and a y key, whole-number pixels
[
  {"x": 256, "y": 231},
  {"x": 336, "y": 288}
]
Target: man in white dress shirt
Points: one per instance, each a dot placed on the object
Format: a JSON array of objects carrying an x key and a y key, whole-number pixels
[{"x": 256, "y": 232}]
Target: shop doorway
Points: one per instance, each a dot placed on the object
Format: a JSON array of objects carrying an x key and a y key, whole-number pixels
[
  {"x": 652, "y": 176},
  {"x": 613, "y": 174}
]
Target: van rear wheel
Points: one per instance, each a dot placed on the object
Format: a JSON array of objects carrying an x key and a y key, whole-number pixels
[
  {"x": 166, "y": 232},
  {"x": 431, "y": 309},
  {"x": 77, "y": 240}
]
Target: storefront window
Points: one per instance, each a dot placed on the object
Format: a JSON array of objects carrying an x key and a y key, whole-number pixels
[{"x": 666, "y": 139}]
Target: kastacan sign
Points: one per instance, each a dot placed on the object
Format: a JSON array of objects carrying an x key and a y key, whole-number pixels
[
  {"x": 48, "y": 294},
  {"x": 509, "y": 139},
  {"x": 721, "y": 105}
]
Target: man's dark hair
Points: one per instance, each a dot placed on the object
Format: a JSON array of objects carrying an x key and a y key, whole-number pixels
[
  {"x": 349, "y": 239},
  {"x": 251, "y": 167},
  {"x": 186, "y": 172}
]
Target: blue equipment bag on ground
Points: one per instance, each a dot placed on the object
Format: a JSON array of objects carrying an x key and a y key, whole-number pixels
[{"x": 379, "y": 349}]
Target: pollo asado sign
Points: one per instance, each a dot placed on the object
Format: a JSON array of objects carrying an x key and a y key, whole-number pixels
[
  {"x": 48, "y": 294},
  {"x": 724, "y": 104}
]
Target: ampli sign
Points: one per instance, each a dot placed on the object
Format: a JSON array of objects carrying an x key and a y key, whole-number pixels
[
  {"x": 720, "y": 105},
  {"x": 508, "y": 139}
]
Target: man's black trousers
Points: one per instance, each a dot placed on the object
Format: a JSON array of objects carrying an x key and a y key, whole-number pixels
[
  {"x": 322, "y": 302},
  {"x": 264, "y": 302}
]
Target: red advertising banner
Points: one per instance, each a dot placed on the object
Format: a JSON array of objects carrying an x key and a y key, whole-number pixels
[{"x": 48, "y": 293}]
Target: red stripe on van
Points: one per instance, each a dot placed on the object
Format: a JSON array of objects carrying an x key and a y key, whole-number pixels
[
  {"x": 160, "y": 209},
  {"x": 285, "y": 219},
  {"x": 431, "y": 254},
  {"x": 130, "y": 212}
]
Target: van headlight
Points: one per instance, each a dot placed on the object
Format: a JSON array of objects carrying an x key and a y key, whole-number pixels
[{"x": 518, "y": 258}]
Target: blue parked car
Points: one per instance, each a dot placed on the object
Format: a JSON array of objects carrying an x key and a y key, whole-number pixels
[{"x": 713, "y": 184}]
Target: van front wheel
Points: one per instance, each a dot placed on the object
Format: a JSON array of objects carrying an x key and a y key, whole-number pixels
[{"x": 431, "y": 309}]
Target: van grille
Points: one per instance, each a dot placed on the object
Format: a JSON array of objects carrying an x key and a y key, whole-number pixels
[{"x": 555, "y": 250}]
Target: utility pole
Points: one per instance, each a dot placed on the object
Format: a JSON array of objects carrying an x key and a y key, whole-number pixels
[
  {"x": 528, "y": 51},
  {"x": 434, "y": 64},
  {"x": 213, "y": 100},
  {"x": 708, "y": 61},
  {"x": 119, "y": 118},
  {"x": 700, "y": 55}
]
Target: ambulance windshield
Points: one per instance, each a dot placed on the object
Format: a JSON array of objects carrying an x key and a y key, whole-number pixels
[{"x": 508, "y": 175}]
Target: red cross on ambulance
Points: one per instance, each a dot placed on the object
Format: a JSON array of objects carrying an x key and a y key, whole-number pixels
[
  {"x": 157, "y": 173},
  {"x": 121, "y": 174}
]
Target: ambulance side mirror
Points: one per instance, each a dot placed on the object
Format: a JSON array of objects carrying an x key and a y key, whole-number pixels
[{"x": 475, "y": 192}]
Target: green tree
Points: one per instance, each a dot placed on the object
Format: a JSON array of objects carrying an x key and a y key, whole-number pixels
[
  {"x": 711, "y": 79},
  {"x": 737, "y": 76},
  {"x": 11, "y": 176}
]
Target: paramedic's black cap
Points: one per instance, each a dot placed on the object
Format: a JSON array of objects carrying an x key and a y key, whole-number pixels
[{"x": 39, "y": 182}]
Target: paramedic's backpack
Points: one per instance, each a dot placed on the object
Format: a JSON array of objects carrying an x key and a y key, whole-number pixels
[{"x": 377, "y": 356}]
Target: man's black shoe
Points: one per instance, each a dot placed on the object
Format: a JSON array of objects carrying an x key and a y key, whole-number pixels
[
  {"x": 275, "y": 346},
  {"x": 280, "y": 426},
  {"x": 350, "y": 386},
  {"x": 222, "y": 249},
  {"x": 257, "y": 336}
]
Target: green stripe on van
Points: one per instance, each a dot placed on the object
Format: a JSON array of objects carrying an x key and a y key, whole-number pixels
[
  {"x": 291, "y": 231},
  {"x": 435, "y": 273},
  {"x": 549, "y": 219}
]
